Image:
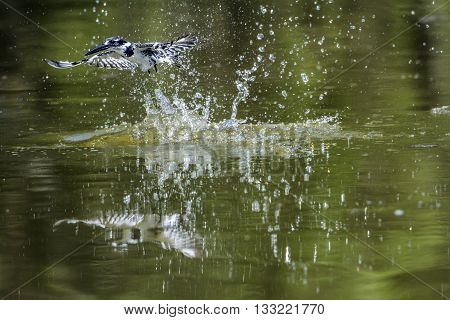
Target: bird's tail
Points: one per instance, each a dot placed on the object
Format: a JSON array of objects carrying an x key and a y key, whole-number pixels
[{"x": 63, "y": 64}]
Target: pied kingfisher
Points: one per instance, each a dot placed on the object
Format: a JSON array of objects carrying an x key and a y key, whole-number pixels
[{"x": 117, "y": 53}]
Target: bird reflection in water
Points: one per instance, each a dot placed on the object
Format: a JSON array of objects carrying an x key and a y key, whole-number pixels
[{"x": 170, "y": 232}]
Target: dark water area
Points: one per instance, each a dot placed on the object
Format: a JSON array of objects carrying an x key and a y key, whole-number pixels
[{"x": 264, "y": 168}]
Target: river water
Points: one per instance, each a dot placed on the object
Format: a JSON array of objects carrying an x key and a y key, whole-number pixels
[{"x": 275, "y": 164}]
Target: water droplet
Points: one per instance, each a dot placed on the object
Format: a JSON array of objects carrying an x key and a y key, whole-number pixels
[
  {"x": 255, "y": 206},
  {"x": 305, "y": 78},
  {"x": 399, "y": 212},
  {"x": 320, "y": 42},
  {"x": 260, "y": 36},
  {"x": 263, "y": 9}
]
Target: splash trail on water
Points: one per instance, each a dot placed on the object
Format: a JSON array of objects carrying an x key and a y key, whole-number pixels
[{"x": 172, "y": 121}]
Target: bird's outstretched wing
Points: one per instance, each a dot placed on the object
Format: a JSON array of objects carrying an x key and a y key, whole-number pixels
[
  {"x": 168, "y": 50},
  {"x": 102, "y": 60}
]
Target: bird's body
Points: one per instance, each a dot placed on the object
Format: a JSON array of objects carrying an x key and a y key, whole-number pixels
[{"x": 117, "y": 53}]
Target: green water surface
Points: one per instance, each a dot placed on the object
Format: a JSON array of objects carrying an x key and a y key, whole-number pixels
[{"x": 331, "y": 188}]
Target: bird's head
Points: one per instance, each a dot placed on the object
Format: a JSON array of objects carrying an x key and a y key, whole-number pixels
[{"x": 117, "y": 44}]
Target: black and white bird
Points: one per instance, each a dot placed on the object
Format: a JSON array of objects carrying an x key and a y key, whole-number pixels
[{"x": 118, "y": 53}]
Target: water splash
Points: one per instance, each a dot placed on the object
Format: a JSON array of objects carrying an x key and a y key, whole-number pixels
[
  {"x": 441, "y": 110},
  {"x": 187, "y": 125},
  {"x": 170, "y": 119},
  {"x": 245, "y": 78}
]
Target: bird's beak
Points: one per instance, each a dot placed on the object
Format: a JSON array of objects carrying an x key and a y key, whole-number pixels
[{"x": 97, "y": 49}]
